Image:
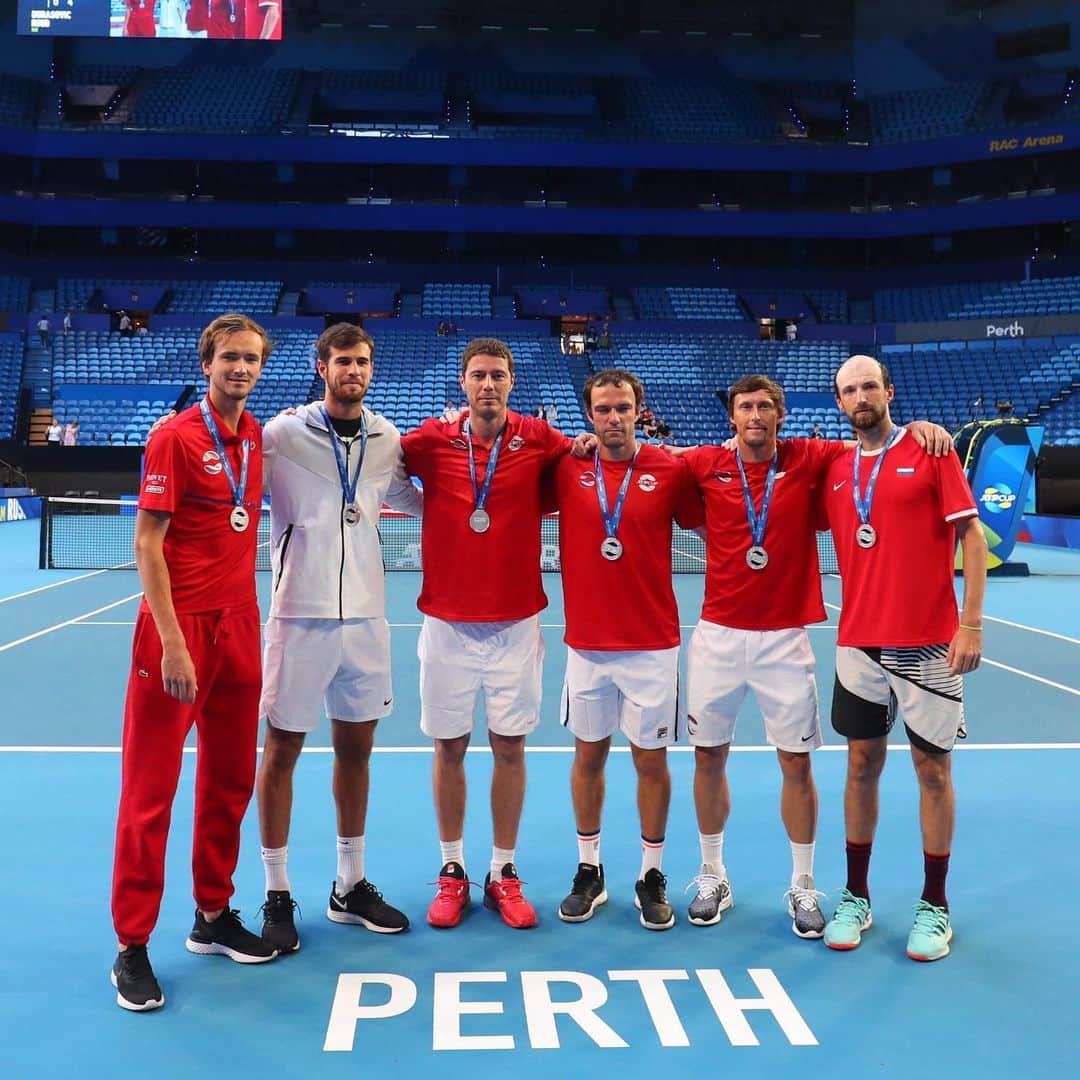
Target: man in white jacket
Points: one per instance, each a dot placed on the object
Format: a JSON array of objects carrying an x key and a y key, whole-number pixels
[{"x": 329, "y": 467}]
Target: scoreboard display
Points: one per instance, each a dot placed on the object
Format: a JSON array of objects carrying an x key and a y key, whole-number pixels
[{"x": 249, "y": 20}]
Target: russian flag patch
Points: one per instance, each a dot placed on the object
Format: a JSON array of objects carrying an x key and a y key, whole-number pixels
[{"x": 907, "y": 471}]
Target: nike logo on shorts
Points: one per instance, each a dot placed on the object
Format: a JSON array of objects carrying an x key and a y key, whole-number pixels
[
  {"x": 807, "y": 738},
  {"x": 837, "y": 487},
  {"x": 387, "y": 701}
]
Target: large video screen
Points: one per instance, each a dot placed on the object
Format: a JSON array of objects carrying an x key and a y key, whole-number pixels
[{"x": 250, "y": 20}]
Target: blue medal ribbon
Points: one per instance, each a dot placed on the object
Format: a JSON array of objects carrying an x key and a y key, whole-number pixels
[
  {"x": 219, "y": 445},
  {"x": 480, "y": 494},
  {"x": 612, "y": 519},
  {"x": 862, "y": 505},
  {"x": 756, "y": 521},
  {"x": 348, "y": 487}
]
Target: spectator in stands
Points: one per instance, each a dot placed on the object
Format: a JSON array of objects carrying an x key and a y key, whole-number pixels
[
  {"x": 646, "y": 417},
  {"x": 54, "y": 433},
  {"x": 816, "y": 433},
  {"x": 551, "y": 414},
  {"x": 43, "y": 331},
  {"x": 539, "y": 412},
  {"x": 605, "y": 335},
  {"x": 71, "y": 433},
  {"x": 125, "y": 323},
  {"x": 142, "y": 330},
  {"x": 791, "y": 331},
  {"x": 67, "y": 322}
]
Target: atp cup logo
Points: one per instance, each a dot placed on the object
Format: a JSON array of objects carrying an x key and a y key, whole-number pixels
[{"x": 997, "y": 498}]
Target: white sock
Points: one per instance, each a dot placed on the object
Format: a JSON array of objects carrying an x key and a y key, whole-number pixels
[
  {"x": 588, "y": 848},
  {"x": 802, "y": 862},
  {"x": 275, "y": 866},
  {"x": 500, "y": 856},
  {"x": 712, "y": 852},
  {"x": 453, "y": 851},
  {"x": 350, "y": 863},
  {"x": 652, "y": 855}
]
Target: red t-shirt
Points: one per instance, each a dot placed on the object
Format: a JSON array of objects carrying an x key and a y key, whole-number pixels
[
  {"x": 627, "y": 604},
  {"x": 140, "y": 19},
  {"x": 255, "y": 12},
  {"x": 213, "y": 16},
  {"x": 211, "y": 566},
  {"x": 492, "y": 576},
  {"x": 786, "y": 592},
  {"x": 900, "y": 591}
]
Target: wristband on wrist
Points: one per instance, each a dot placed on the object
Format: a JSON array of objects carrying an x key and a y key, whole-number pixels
[{"x": 974, "y": 629}]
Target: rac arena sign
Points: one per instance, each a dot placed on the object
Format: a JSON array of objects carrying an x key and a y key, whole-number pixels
[{"x": 1029, "y": 142}]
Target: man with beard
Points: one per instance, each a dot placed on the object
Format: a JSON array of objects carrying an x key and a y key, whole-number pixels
[
  {"x": 329, "y": 468},
  {"x": 896, "y": 516}
]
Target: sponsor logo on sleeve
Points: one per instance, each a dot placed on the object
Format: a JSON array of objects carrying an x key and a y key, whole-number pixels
[{"x": 155, "y": 483}]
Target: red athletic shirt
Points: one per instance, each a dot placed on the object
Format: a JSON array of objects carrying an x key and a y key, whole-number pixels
[
  {"x": 900, "y": 591},
  {"x": 255, "y": 12},
  {"x": 787, "y": 591},
  {"x": 140, "y": 19},
  {"x": 492, "y": 576},
  {"x": 628, "y": 604},
  {"x": 213, "y": 17},
  {"x": 211, "y": 566}
]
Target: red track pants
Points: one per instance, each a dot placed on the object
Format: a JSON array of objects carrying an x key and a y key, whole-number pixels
[{"x": 224, "y": 647}]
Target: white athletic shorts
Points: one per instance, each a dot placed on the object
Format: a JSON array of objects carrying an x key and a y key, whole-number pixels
[
  {"x": 309, "y": 663},
  {"x": 635, "y": 692},
  {"x": 874, "y": 684},
  {"x": 777, "y": 665},
  {"x": 458, "y": 660}
]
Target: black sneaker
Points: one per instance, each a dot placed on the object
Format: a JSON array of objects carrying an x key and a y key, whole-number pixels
[
  {"x": 133, "y": 977},
  {"x": 651, "y": 899},
  {"x": 586, "y": 894},
  {"x": 227, "y": 936},
  {"x": 279, "y": 929},
  {"x": 364, "y": 904}
]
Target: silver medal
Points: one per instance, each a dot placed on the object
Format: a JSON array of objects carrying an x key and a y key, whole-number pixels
[
  {"x": 866, "y": 535},
  {"x": 611, "y": 549},
  {"x": 239, "y": 519},
  {"x": 352, "y": 515},
  {"x": 479, "y": 521},
  {"x": 757, "y": 558}
]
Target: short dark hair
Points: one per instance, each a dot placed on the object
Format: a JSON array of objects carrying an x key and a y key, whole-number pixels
[
  {"x": 342, "y": 335},
  {"x": 612, "y": 377},
  {"x": 487, "y": 346},
  {"x": 751, "y": 384},
  {"x": 232, "y": 322},
  {"x": 886, "y": 378}
]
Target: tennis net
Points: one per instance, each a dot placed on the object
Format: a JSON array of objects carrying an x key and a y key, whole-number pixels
[{"x": 99, "y": 534}]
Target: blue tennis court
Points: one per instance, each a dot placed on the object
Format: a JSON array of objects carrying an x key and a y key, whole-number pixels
[{"x": 745, "y": 997}]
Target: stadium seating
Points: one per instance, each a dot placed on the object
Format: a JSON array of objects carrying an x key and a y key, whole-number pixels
[
  {"x": 18, "y": 101},
  {"x": 932, "y": 113},
  {"x": 14, "y": 293},
  {"x": 11, "y": 359},
  {"x": 456, "y": 301}
]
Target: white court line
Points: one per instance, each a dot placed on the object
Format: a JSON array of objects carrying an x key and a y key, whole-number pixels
[
  {"x": 416, "y": 625},
  {"x": 1034, "y": 630},
  {"x": 68, "y": 622},
  {"x": 1020, "y": 671},
  {"x": 51, "y": 585},
  {"x": 547, "y": 749}
]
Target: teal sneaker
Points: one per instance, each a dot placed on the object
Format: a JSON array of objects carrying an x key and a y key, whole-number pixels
[
  {"x": 930, "y": 936},
  {"x": 851, "y": 918}
]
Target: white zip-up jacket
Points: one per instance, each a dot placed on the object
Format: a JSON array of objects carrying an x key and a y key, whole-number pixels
[{"x": 324, "y": 568}]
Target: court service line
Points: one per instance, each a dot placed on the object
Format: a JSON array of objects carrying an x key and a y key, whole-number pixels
[
  {"x": 1020, "y": 671},
  {"x": 69, "y": 622},
  {"x": 51, "y": 585},
  {"x": 1034, "y": 629},
  {"x": 416, "y": 625},
  {"x": 893, "y": 748}
]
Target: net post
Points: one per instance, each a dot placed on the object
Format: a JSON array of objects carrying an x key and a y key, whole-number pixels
[{"x": 43, "y": 533}]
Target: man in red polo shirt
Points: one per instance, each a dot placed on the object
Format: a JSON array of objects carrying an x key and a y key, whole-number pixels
[
  {"x": 195, "y": 661},
  {"x": 218, "y": 18},
  {"x": 480, "y": 596},
  {"x": 896, "y": 517},
  {"x": 622, "y": 630},
  {"x": 262, "y": 20},
  {"x": 140, "y": 19}
]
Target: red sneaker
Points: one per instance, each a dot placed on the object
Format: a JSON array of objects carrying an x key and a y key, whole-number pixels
[
  {"x": 452, "y": 898},
  {"x": 504, "y": 896}
]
